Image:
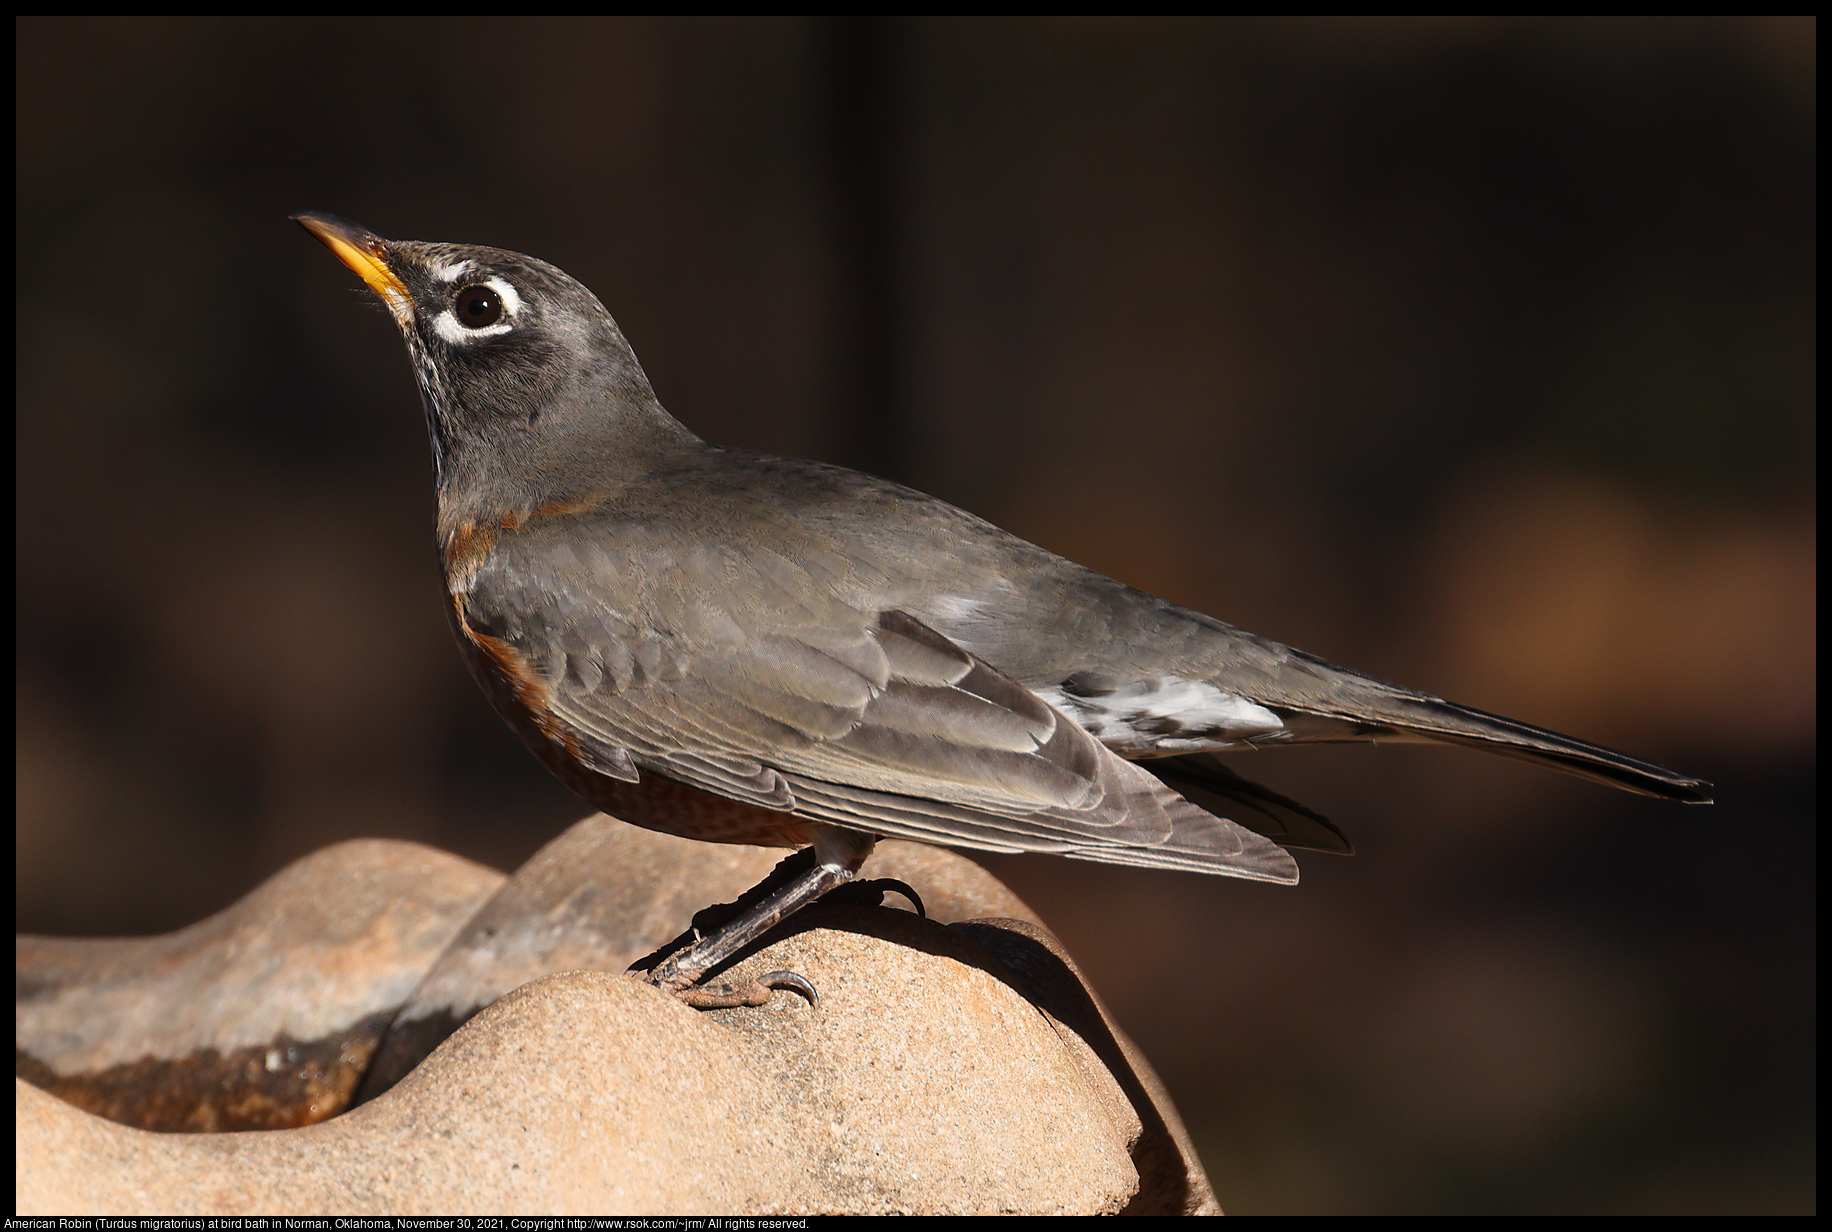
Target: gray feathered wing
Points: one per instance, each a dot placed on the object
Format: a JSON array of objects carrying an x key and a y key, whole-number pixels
[{"x": 870, "y": 721}]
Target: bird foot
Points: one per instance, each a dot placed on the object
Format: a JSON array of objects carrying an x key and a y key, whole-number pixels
[
  {"x": 723, "y": 994},
  {"x": 871, "y": 894},
  {"x": 796, "y": 881}
]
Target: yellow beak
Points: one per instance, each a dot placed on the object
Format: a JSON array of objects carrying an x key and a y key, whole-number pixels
[{"x": 366, "y": 253}]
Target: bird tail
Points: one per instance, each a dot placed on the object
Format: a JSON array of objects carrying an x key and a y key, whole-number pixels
[{"x": 1449, "y": 723}]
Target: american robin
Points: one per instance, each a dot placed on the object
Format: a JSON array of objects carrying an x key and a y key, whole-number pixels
[{"x": 747, "y": 649}]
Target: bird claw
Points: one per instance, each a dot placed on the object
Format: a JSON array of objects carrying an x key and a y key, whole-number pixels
[
  {"x": 871, "y": 893},
  {"x": 728, "y": 993},
  {"x": 725, "y": 994}
]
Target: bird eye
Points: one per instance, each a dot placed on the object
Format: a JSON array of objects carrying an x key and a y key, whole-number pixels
[{"x": 478, "y": 307}]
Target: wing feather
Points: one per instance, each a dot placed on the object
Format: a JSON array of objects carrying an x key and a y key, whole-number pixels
[{"x": 869, "y": 720}]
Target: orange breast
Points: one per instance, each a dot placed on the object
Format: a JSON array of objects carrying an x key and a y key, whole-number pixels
[{"x": 655, "y": 803}]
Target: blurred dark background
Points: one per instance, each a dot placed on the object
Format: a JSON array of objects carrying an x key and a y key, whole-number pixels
[{"x": 1476, "y": 354}]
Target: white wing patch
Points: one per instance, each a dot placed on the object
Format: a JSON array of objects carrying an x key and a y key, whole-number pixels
[{"x": 1161, "y": 715}]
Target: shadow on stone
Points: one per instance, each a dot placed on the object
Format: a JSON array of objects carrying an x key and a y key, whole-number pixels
[{"x": 957, "y": 1063}]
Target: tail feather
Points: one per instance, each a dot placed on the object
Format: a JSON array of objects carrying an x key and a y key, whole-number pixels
[
  {"x": 1209, "y": 783},
  {"x": 1413, "y": 717},
  {"x": 1511, "y": 738}
]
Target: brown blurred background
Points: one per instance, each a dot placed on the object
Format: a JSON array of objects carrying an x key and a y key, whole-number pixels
[{"x": 1474, "y": 354}]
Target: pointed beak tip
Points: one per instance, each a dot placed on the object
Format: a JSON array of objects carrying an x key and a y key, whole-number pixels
[{"x": 365, "y": 252}]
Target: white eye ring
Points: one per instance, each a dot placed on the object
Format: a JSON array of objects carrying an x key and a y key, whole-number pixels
[{"x": 446, "y": 324}]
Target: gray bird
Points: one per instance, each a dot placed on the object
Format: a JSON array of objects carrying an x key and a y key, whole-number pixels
[{"x": 740, "y": 648}]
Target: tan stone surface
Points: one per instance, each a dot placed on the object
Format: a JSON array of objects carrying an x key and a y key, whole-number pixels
[
  {"x": 265, "y": 1014},
  {"x": 952, "y": 1067}
]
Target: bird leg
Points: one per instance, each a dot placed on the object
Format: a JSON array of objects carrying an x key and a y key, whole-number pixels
[{"x": 837, "y": 857}]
